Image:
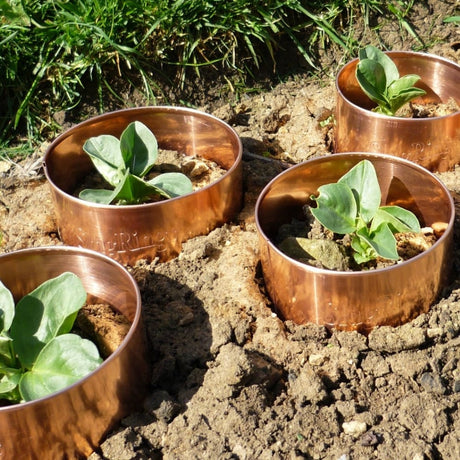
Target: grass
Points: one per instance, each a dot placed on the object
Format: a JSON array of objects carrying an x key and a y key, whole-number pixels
[{"x": 51, "y": 49}]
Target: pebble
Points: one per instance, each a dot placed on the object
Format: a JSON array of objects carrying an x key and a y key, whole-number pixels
[
  {"x": 354, "y": 428},
  {"x": 316, "y": 359},
  {"x": 432, "y": 383},
  {"x": 370, "y": 438},
  {"x": 456, "y": 386}
]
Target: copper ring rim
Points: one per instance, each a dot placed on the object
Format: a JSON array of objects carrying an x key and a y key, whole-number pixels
[
  {"x": 400, "y": 119},
  {"x": 356, "y": 273},
  {"x": 117, "y": 113},
  {"x": 134, "y": 324}
]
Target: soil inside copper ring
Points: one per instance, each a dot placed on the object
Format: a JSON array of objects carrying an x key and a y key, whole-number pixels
[
  {"x": 428, "y": 110},
  {"x": 200, "y": 171},
  {"x": 311, "y": 243}
]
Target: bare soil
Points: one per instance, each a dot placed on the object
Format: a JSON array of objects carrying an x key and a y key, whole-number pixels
[{"x": 230, "y": 379}]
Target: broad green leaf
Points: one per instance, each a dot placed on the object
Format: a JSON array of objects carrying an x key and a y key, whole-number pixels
[
  {"x": 173, "y": 184},
  {"x": 389, "y": 67},
  {"x": 336, "y": 208},
  {"x": 363, "y": 182},
  {"x": 402, "y": 84},
  {"x": 100, "y": 196},
  {"x": 135, "y": 190},
  {"x": 381, "y": 240},
  {"x": 62, "y": 362},
  {"x": 6, "y": 308},
  {"x": 372, "y": 79},
  {"x": 106, "y": 156},
  {"x": 399, "y": 220},
  {"x": 401, "y": 91},
  {"x": 139, "y": 148},
  {"x": 47, "y": 311},
  {"x": 9, "y": 379}
]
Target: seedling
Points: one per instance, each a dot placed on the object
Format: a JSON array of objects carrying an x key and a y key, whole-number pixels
[
  {"x": 125, "y": 162},
  {"x": 352, "y": 206},
  {"x": 38, "y": 354},
  {"x": 379, "y": 78}
]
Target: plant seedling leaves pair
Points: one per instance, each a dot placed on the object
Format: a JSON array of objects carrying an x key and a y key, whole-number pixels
[
  {"x": 123, "y": 163},
  {"x": 379, "y": 78},
  {"x": 62, "y": 362},
  {"x": 136, "y": 151},
  {"x": 47, "y": 311},
  {"x": 352, "y": 206}
]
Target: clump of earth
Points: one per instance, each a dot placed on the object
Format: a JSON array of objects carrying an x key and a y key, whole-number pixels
[{"x": 230, "y": 378}]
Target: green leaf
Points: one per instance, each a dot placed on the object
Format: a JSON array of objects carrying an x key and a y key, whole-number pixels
[
  {"x": 173, "y": 184},
  {"x": 47, "y": 311},
  {"x": 336, "y": 208},
  {"x": 9, "y": 379},
  {"x": 402, "y": 91},
  {"x": 372, "y": 79},
  {"x": 363, "y": 182},
  {"x": 389, "y": 67},
  {"x": 7, "y": 357},
  {"x": 100, "y": 196},
  {"x": 139, "y": 148},
  {"x": 106, "y": 156},
  {"x": 399, "y": 220},
  {"x": 363, "y": 252},
  {"x": 62, "y": 362},
  {"x": 134, "y": 190},
  {"x": 6, "y": 308},
  {"x": 381, "y": 240}
]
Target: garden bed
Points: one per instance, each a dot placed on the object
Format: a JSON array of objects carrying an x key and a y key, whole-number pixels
[{"x": 230, "y": 378}]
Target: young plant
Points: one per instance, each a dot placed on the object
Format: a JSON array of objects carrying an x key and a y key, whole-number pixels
[
  {"x": 379, "y": 78},
  {"x": 124, "y": 163},
  {"x": 38, "y": 355},
  {"x": 352, "y": 206}
]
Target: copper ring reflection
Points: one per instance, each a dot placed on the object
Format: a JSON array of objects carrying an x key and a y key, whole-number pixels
[
  {"x": 430, "y": 142},
  {"x": 71, "y": 423},
  {"x": 155, "y": 230},
  {"x": 354, "y": 300}
]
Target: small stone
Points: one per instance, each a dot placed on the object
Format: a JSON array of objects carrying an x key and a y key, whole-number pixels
[
  {"x": 432, "y": 383},
  {"x": 456, "y": 387},
  {"x": 434, "y": 332},
  {"x": 195, "y": 168},
  {"x": 316, "y": 359},
  {"x": 370, "y": 438},
  {"x": 439, "y": 228},
  {"x": 326, "y": 253},
  {"x": 5, "y": 166},
  {"x": 354, "y": 428}
]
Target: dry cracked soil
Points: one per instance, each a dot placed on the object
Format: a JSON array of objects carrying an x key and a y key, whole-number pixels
[{"x": 230, "y": 379}]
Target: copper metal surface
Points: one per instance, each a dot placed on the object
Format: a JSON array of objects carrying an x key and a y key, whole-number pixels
[
  {"x": 430, "y": 142},
  {"x": 128, "y": 233},
  {"x": 70, "y": 423},
  {"x": 354, "y": 300}
]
